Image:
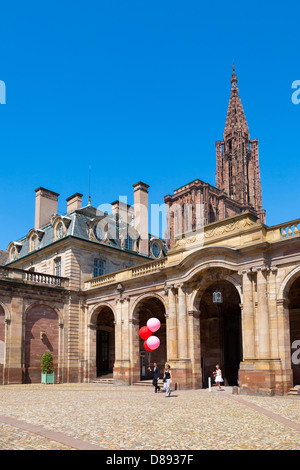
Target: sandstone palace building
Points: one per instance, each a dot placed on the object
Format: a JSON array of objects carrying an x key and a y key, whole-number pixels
[{"x": 226, "y": 290}]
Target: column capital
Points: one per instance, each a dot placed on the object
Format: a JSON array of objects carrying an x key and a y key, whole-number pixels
[
  {"x": 283, "y": 302},
  {"x": 261, "y": 268},
  {"x": 183, "y": 288},
  {"x": 244, "y": 272},
  {"x": 169, "y": 287},
  {"x": 194, "y": 313}
]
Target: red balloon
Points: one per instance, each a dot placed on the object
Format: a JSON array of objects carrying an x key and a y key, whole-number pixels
[
  {"x": 147, "y": 347},
  {"x": 145, "y": 333}
]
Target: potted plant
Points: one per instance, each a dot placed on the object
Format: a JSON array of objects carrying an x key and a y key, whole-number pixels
[{"x": 47, "y": 369}]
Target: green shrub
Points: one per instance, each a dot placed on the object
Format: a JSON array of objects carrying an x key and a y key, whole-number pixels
[{"x": 47, "y": 364}]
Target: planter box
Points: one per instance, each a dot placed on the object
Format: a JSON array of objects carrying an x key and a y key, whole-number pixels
[{"x": 48, "y": 378}]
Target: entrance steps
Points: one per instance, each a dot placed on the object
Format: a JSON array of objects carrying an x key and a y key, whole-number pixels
[
  {"x": 103, "y": 379},
  {"x": 144, "y": 383},
  {"x": 295, "y": 391}
]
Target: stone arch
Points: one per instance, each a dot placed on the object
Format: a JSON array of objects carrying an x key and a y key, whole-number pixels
[
  {"x": 287, "y": 283},
  {"x": 220, "y": 324},
  {"x": 290, "y": 298},
  {"x": 210, "y": 276},
  {"x": 41, "y": 335},
  {"x": 93, "y": 313},
  {"x": 101, "y": 321},
  {"x": 6, "y": 311},
  {"x": 35, "y": 303},
  {"x": 2, "y": 342},
  {"x": 144, "y": 307},
  {"x": 145, "y": 297}
]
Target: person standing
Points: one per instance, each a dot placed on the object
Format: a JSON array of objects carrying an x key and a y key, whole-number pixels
[
  {"x": 155, "y": 376},
  {"x": 167, "y": 380},
  {"x": 218, "y": 377}
]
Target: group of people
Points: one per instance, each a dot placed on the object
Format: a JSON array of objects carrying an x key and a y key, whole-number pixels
[{"x": 167, "y": 379}]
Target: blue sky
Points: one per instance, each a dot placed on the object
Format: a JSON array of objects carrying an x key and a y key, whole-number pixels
[{"x": 139, "y": 91}]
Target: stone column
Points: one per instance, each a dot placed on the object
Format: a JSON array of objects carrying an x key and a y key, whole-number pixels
[
  {"x": 172, "y": 344},
  {"x": 263, "y": 314},
  {"x": 134, "y": 349},
  {"x": 91, "y": 372},
  {"x": 273, "y": 315},
  {"x": 195, "y": 347},
  {"x": 7, "y": 351},
  {"x": 17, "y": 345},
  {"x": 262, "y": 374},
  {"x": 182, "y": 373},
  {"x": 122, "y": 372},
  {"x": 182, "y": 324},
  {"x": 248, "y": 330},
  {"x": 284, "y": 343},
  {"x": 60, "y": 366}
]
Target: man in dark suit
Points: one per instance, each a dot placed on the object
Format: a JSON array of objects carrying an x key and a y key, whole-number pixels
[{"x": 155, "y": 376}]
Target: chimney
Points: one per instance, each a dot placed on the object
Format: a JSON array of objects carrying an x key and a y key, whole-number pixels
[
  {"x": 45, "y": 206},
  {"x": 141, "y": 217},
  {"x": 74, "y": 202},
  {"x": 123, "y": 210}
]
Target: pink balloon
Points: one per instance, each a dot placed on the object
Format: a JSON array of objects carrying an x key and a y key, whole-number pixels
[
  {"x": 153, "y": 324},
  {"x": 153, "y": 342}
]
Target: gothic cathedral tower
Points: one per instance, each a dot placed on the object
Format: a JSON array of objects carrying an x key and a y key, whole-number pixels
[{"x": 237, "y": 172}]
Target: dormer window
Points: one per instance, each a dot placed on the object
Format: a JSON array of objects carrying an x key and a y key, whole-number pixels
[
  {"x": 128, "y": 243},
  {"x": 59, "y": 231},
  {"x": 99, "y": 232},
  {"x": 14, "y": 249},
  {"x": 13, "y": 254},
  {"x": 155, "y": 250},
  {"x": 60, "y": 227},
  {"x": 34, "y": 243}
]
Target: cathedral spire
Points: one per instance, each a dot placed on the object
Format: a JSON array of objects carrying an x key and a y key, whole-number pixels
[
  {"x": 236, "y": 119},
  {"x": 233, "y": 76},
  {"x": 237, "y": 171}
]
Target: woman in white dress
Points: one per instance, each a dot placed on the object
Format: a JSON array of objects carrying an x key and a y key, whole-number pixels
[
  {"x": 218, "y": 377},
  {"x": 167, "y": 380}
]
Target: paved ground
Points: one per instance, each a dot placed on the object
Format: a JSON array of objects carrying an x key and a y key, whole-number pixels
[{"x": 93, "y": 416}]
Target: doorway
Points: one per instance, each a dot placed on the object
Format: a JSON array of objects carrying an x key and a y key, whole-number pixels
[{"x": 221, "y": 332}]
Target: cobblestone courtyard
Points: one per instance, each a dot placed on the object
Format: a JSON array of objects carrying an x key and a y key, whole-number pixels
[{"x": 93, "y": 416}]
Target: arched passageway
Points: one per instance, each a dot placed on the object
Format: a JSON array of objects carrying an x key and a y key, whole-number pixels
[
  {"x": 105, "y": 341},
  {"x": 2, "y": 342},
  {"x": 220, "y": 332},
  {"x": 294, "y": 314},
  {"x": 147, "y": 308}
]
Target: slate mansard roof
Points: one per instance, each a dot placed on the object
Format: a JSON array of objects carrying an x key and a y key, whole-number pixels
[{"x": 80, "y": 224}]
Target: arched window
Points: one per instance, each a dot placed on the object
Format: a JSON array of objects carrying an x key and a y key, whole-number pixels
[
  {"x": 59, "y": 231},
  {"x": 13, "y": 254},
  {"x": 34, "y": 243}
]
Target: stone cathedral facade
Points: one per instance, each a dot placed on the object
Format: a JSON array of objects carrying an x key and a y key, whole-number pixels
[{"x": 226, "y": 290}]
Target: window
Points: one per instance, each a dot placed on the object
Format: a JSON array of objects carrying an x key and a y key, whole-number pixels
[
  {"x": 99, "y": 267},
  {"x": 34, "y": 243},
  {"x": 155, "y": 250},
  {"x": 98, "y": 232},
  {"x": 60, "y": 231},
  {"x": 13, "y": 254},
  {"x": 128, "y": 243},
  {"x": 57, "y": 267}
]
